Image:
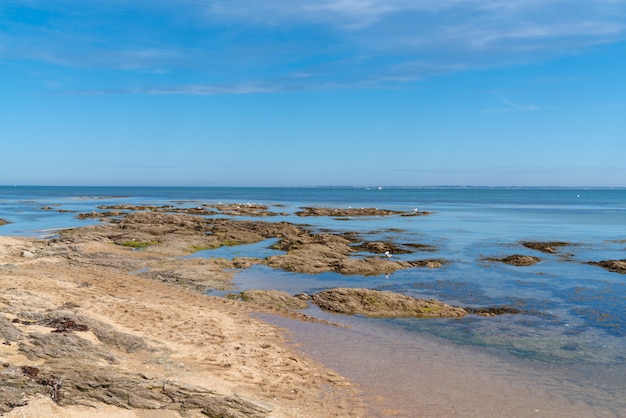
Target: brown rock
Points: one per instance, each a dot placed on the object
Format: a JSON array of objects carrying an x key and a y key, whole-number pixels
[
  {"x": 375, "y": 303},
  {"x": 616, "y": 266},
  {"x": 517, "y": 260},
  {"x": 378, "y": 247},
  {"x": 274, "y": 298},
  {"x": 308, "y": 211},
  {"x": 546, "y": 247}
]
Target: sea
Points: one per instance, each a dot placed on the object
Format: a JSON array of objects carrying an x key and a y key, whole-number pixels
[{"x": 567, "y": 344}]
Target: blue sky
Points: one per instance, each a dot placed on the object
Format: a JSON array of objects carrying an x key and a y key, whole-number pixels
[{"x": 313, "y": 92}]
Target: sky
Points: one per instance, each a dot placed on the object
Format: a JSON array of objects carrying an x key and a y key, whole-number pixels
[{"x": 313, "y": 92}]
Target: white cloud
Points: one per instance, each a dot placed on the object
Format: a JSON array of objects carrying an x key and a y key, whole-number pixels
[{"x": 317, "y": 42}]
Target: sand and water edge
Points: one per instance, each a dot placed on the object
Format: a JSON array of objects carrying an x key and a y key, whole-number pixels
[{"x": 86, "y": 333}]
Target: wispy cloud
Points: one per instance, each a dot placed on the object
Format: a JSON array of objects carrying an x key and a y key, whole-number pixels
[
  {"x": 317, "y": 42},
  {"x": 511, "y": 107},
  {"x": 194, "y": 90}
]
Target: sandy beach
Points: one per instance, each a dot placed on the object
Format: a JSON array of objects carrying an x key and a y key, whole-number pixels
[
  {"x": 149, "y": 349},
  {"x": 112, "y": 320}
]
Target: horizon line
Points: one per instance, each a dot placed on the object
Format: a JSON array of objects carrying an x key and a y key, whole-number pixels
[{"x": 377, "y": 187}]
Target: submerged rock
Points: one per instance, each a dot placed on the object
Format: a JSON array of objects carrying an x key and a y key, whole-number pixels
[
  {"x": 493, "y": 311},
  {"x": 383, "y": 304}
]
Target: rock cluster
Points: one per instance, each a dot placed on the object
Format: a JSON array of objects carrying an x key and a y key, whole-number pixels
[{"x": 305, "y": 251}]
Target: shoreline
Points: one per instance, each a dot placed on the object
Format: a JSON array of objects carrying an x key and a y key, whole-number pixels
[
  {"x": 282, "y": 362},
  {"x": 133, "y": 292}
]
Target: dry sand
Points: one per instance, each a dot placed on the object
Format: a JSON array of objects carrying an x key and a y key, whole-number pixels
[{"x": 187, "y": 340}]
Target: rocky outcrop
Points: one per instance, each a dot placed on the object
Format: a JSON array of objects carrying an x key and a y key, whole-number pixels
[
  {"x": 546, "y": 247},
  {"x": 376, "y": 303},
  {"x": 60, "y": 373},
  {"x": 70, "y": 386},
  {"x": 379, "y": 247},
  {"x": 318, "y": 253},
  {"x": 101, "y": 215},
  {"x": 517, "y": 260},
  {"x": 178, "y": 234},
  {"x": 616, "y": 266},
  {"x": 273, "y": 298},
  {"x": 3, "y": 222},
  {"x": 340, "y": 212},
  {"x": 305, "y": 251},
  {"x": 233, "y": 209}
]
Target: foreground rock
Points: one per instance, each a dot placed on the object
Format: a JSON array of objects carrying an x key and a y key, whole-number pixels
[
  {"x": 616, "y": 266},
  {"x": 381, "y": 304}
]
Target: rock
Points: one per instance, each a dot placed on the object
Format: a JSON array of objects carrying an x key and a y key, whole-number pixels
[
  {"x": 178, "y": 234},
  {"x": 546, "y": 247},
  {"x": 493, "y": 311},
  {"x": 3, "y": 222},
  {"x": 8, "y": 331},
  {"x": 274, "y": 298},
  {"x": 244, "y": 209},
  {"x": 378, "y": 247},
  {"x": 616, "y": 266},
  {"x": 100, "y": 215},
  {"x": 431, "y": 264},
  {"x": 27, "y": 254},
  {"x": 245, "y": 262},
  {"x": 517, "y": 260},
  {"x": 308, "y": 211},
  {"x": 375, "y": 303},
  {"x": 237, "y": 407}
]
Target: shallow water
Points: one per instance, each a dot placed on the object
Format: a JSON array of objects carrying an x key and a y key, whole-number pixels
[
  {"x": 573, "y": 321},
  {"x": 404, "y": 374}
]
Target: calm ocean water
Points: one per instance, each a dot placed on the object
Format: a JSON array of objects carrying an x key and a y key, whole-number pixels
[{"x": 574, "y": 313}]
